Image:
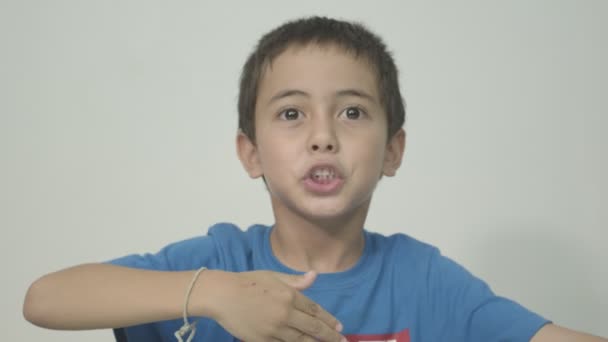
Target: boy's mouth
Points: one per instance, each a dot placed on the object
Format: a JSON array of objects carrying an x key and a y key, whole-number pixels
[
  {"x": 323, "y": 180},
  {"x": 323, "y": 174}
]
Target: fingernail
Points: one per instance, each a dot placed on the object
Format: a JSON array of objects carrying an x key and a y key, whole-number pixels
[{"x": 339, "y": 327}]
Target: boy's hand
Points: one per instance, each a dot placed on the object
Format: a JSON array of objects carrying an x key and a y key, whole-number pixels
[{"x": 268, "y": 306}]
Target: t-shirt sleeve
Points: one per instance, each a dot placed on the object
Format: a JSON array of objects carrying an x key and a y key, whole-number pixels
[
  {"x": 463, "y": 307},
  {"x": 179, "y": 256}
]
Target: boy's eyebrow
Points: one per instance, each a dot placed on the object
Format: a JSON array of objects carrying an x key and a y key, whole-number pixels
[
  {"x": 339, "y": 93},
  {"x": 357, "y": 93},
  {"x": 287, "y": 93}
]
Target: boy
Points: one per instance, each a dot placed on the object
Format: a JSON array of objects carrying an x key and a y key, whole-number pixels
[{"x": 320, "y": 120}]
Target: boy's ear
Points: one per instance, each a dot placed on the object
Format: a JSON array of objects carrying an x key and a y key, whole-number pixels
[
  {"x": 394, "y": 153},
  {"x": 248, "y": 154}
]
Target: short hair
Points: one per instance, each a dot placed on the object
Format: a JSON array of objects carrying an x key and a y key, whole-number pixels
[{"x": 350, "y": 36}]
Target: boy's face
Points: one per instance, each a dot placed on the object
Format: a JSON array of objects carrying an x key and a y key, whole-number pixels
[{"x": 321, "y": 133}]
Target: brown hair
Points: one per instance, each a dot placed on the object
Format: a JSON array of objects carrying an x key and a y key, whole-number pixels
[{"x": 352, "y": 37}]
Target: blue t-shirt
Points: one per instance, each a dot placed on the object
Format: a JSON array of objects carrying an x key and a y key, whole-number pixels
[{"x": 400, "y": 290}]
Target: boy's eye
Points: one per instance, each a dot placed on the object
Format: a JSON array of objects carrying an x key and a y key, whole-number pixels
[
  {"x": 352, "y": 113},
  {"x": 290, "y": 114}
]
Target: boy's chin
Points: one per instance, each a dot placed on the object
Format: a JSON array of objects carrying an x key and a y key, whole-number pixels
[
  {"x": 333, "y": 214},
  {"x": 321, "y": 211},
  {"x": 326, "y": 216}
]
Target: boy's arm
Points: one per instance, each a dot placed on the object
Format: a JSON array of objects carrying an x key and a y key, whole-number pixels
[
  {"x": 97, "y": 296},
  {"x": 555, "y": 333},
  {"x": 256, "y": 306}
]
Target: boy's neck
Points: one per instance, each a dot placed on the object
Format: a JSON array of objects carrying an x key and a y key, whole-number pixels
[{"x": 326, "y": 247}]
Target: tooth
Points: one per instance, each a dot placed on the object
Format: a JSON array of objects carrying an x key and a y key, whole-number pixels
[{"x": 323, "y": 174}]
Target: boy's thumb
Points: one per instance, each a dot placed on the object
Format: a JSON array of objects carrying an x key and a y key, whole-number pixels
[{"x": 299, "y": 281}]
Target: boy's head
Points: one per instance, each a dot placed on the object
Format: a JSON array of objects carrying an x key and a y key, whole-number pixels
[
  {"x": 353, "y": 38},
  {"x": 323, "y": 99}
]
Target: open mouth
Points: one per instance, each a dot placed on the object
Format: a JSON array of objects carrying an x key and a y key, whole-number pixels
[
  {"x": 323, "y": 180},
  {"x": 323, "y": 174}
]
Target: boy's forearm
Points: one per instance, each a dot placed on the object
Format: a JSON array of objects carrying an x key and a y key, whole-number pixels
[
  {"x": 96, "y": 296},
  {"x": 555, "y": 333}
]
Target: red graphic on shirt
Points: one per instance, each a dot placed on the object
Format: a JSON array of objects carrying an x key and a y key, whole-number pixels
[{"x": 402, "y": 336}]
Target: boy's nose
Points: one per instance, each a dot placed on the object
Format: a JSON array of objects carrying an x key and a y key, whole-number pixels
[
  {"x": 328, "y": 147},
  {"x": 323, "y": 138}
]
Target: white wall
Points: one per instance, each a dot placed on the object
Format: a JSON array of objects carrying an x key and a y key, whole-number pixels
[{"x": 117, "y": 122}]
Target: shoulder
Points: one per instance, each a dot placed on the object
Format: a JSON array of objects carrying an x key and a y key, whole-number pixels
[
  {"x": 403, "y": 248},
  {"x": 235, "y": 246},
  {"x": 225, "y": 233},
  {"x": 456, "y": 301},
  {"x": 409, "y": 256},
  {"x": 225, "y": 246}
]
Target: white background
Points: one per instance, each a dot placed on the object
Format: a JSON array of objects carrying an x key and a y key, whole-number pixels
[{"x": 118, "y": 118}]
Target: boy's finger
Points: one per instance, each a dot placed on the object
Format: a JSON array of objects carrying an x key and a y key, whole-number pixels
[
  {"x": 314, "y": 327},
  {"x": 307, "y": 306},
  {"x": 288, "y": 333},
  {"x": 298, "y": 281}
]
